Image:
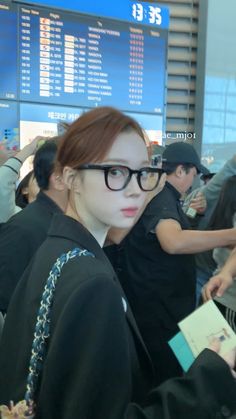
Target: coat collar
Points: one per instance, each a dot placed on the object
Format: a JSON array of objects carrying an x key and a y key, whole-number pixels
[
  {"x": 175, "y": 192},
  {"x": 66, "y": 227},
  {"x": 44, "y": 199}
]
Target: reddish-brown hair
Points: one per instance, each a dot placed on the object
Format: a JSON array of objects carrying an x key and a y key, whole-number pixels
[{"x": 90, "y": 137}]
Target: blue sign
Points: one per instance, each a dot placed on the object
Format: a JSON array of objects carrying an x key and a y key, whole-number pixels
[
  {"x": 48, "y": 113},
  {"x": 145, "y": 13},
  {"x": 41, "y": 113}
]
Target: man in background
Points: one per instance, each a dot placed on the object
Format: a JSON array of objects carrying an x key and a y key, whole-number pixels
[
  {"x": 22, "y": 235},
  {"x": 156, "y": 264}
]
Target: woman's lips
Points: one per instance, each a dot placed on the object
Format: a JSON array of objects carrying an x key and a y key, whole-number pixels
[{"x": 130, "y": 212}]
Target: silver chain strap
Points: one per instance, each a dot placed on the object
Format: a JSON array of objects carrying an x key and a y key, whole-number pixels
[{"x": 42, "y": 328}]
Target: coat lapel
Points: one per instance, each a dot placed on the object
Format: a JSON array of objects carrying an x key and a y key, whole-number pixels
[{"x": 131, "y": 320}]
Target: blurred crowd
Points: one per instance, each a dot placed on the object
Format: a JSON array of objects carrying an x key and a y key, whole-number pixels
[{"x": 143, "y": 248}]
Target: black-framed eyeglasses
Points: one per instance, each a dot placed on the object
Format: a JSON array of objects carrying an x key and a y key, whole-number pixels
[{"x": 117, "y": 177}]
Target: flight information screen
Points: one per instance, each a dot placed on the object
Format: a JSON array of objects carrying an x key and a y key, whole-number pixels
[
  {"x": 8, "y": 51},
  {"x": 86, "y": 61}
]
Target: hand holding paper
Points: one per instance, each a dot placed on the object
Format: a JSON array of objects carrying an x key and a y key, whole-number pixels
[{"x": 198, "y": 332}]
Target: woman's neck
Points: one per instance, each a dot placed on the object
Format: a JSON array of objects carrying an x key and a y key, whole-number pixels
[{"x": 98, "y": 231}]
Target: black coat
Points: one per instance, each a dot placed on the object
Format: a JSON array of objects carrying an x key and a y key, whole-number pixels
[
  {"x": 96, "y": 363},
  {"x": 20, "y": 237}
]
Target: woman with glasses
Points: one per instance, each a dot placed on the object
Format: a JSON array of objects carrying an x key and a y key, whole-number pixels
[{"x": 70, "y": 345}]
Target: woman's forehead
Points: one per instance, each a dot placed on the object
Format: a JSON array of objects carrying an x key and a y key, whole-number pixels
[{"x": 128, "y": 146}]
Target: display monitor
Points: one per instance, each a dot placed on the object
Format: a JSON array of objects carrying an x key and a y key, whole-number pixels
[
  {"x": 42, "y": 120},
  {"x": 57, "y": 64},
  {"x": 152, "y": 124},
  {"x": 85, "y": 61},
  {"x": 9, "y": 131},
  {"x": 8, "y": 51},
  {"x": 36, "y": 119}
]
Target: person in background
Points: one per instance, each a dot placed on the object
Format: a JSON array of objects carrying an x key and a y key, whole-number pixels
[
  {"x": 205, "y": 263},
  {"x": 224, "y": 216},
  {"x": 5, "y": 155},
  {"x": 94, "y": 363},
  {"x": 27, "y": 190},
  {"x": 212, "y": 190},
  {"x": 219, "y": 283},
  {"x": 207, "y": 177},
  {"x": 155, "y": 261},
  {"x": 22, "y": 235},
  {"x": 9, "y": 174}
]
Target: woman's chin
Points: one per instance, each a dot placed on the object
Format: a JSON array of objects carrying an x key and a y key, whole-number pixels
[{"x": 125, "y": 223}]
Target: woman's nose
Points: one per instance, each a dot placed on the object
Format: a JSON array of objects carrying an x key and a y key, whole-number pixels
[{"x": 133, "y": 186}]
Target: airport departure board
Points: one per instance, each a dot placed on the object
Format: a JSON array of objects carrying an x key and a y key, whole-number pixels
[
  {"x": 56, "y": 64},
  {"x": 8, "y": 51},
  {"x": 76, "y": 60}
]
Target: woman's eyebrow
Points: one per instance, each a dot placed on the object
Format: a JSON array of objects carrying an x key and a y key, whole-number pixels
[{"x": 125, "y": 162}]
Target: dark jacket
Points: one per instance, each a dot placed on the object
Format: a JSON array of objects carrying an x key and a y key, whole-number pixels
[
  {"x": 20, "y": 237},
  {"x": 96, "y": 363}
]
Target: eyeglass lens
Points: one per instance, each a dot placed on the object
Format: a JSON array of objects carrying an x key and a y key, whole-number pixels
[{"x": 118, "y": 178}]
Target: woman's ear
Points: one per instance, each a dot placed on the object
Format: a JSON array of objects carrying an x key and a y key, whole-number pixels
[{"x": 71, "y": 179}]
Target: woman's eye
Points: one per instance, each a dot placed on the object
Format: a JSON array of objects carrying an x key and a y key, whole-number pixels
[{"x": 116, "y": 172}]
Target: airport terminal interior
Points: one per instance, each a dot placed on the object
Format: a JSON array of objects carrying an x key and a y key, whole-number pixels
[{"x": 117, "y": 209}]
